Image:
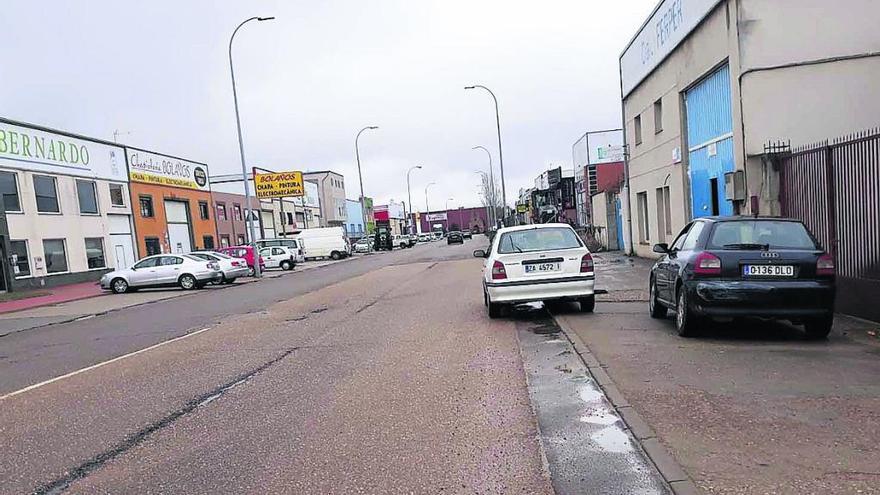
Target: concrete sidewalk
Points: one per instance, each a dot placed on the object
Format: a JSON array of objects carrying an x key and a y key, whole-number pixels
[{"x": 55, "y": 295}]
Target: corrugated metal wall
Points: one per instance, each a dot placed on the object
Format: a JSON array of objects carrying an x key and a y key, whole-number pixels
[{"x": 710, "y": 141}]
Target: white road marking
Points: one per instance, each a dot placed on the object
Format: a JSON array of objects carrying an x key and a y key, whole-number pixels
[{"x": 95, "y": 366}]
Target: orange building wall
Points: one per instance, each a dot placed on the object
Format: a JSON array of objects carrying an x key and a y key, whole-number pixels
[{"x": 157, "y": 227}]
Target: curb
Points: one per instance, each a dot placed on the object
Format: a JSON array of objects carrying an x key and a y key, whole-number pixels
[{"x": 669, "y": 468}]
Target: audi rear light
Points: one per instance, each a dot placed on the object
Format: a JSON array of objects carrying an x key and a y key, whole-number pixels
[
  {"x": 825, "y": 265},
  {"x": 587, "y": 264},
  {"x": 707, "y": 264},
  {"x": 498, "y": 271}
]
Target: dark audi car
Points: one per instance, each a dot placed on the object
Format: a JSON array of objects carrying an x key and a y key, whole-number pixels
[
  {"x": 724, "y": 267},
  {"x": 454, "y": 237}
]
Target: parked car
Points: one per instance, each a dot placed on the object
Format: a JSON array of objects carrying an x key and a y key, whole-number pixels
[
  {"x": 231, "y": 268},
  {"x": 454, "y": 237},
  {"x": 413, "y": 240},
  {"x": 543, "y": 262},
  {"x": 466, "y": 234},
  {"x": 279, "y": 257},
  {"x": 425, "y": 237},
  {"x": 401, "y": 241},
  {"x": 246, "y": 253},
  {"x": 363, "y": 245},
  {"x": 294, "y": 244},
  {"x": 725, "y": 267},
  {"x": 325, "y": 242},
  {"x": 163, "y": 270}
]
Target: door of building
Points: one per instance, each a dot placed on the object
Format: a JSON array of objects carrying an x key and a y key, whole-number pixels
[
  {"x": 179, "y": 232},
  {"x": 121, "y": 240},
  {"x": 710, "y": 143}
]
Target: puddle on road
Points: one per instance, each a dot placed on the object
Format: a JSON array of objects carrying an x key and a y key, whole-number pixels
[{"x": 613, "y": 439}]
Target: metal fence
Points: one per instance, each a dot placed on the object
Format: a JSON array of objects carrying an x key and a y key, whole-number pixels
[{"x": 834, "y": 188}]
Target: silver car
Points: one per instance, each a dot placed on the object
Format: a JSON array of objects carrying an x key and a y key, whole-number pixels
[
  {"x": 163, "y": 270},
  {"x": 230, "y": 267}
]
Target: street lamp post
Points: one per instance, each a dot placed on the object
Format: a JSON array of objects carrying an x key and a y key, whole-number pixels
[
  {"x": 428, "y": 208},
  {"x": 491, "y": 181},
  {"x": 244, "y": 177},
  {"x": 409, "y": 198},
  {"x": 446, "y": 208},
  {"x": 500, "y": 154},
  {"x": 357, "y": 154}
]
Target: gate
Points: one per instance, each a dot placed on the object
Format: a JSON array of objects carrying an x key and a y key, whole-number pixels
[{"x": 834, "y": 188}]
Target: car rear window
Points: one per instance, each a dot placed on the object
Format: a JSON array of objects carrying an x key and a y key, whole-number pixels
[
  {"x": 760, "y": 233},
  {"x": 546, "y": 239}
]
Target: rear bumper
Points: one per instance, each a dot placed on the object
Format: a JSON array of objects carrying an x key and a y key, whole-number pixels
[
  {"x": 209, "y": 276},
  {"x": 541, "y": 289},
  {"x": 236, "y": 272},
  {"x": 768, "y": 299}
]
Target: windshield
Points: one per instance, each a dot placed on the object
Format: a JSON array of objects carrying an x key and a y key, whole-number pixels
[
  {"x": 760, "y": 234},
  {"x": 543, "y": 239}
]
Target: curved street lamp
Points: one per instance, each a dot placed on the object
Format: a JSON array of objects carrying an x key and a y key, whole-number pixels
[
  {"x": 244, "y": 177},
  {"x": 500, "y": 154},
  {"x": 357, "y": 154},
  {"x": 491, "y": 199}
]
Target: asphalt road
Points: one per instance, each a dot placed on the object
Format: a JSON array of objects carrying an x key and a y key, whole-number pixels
[
  {"x": 39, "y": 354},
  {"x": 378, "y": 375}
]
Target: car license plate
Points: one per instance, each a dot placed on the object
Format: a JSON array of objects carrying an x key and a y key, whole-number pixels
[
  {"x": 543, "y": 267},
  {"x": 768, "y": 270}
]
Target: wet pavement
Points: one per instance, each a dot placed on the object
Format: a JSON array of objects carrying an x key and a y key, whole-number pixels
[{"x": 588, "y": 447}]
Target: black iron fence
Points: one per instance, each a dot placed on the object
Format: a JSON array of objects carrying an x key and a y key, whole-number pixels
[{"x": 834, "y": 188}]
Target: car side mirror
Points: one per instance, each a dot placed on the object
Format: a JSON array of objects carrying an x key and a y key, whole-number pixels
[
  {"x": 479, "y": 253},
  {"x": 661, "y": 248}
]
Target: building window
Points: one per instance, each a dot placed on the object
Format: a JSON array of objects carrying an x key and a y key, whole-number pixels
[
  {"x": 152, "y": 245},
  {"x": 208, "y": 242},
  {"x": 289, "y": 217},
  {"x": 221, "y": 211},
  {"x": 22, "y": 266},
  {"x": 55, "y": 255},
  {"x": 658, "y": 116},
  {"x": 638, "y": 127},
  {"x": 117, "y": 195},
  {"x": 9, "y": 189},
  {"x": 667, "y": 210},
  {"x": 241, "y": 240},
  {"x": 95, "y": 253},
  {"x": 642, "y": 209},
  {"x": 204, "y": 214},
  {"x": 88, "y": 199},
  {"x": 224, "y": 241},
  {"x": 236, "y": 211},
  {"x": 47, "y": 194},
  {"x": 146, "y": 206}
]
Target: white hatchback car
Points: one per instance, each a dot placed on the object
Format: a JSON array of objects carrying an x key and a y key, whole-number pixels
[
  {"x": 544, "y": 262},
  {"x": 279, "y": 257}
]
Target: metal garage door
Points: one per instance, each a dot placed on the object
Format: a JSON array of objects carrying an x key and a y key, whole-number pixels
[
  {"x": 710, "y": 143},
  {"x": 177, "y": 216}
]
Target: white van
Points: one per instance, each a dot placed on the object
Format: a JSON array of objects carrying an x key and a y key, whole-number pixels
[{"x": 326, "y": 242}]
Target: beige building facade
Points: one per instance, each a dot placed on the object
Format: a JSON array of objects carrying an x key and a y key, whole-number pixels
[{"x": 708, "y": 83}]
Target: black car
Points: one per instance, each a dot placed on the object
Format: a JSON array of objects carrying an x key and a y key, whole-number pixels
[
  {"x": 454, "y": 237},
  {"x": 724, "y": 267},
  {"x": 467, "y": 234}
]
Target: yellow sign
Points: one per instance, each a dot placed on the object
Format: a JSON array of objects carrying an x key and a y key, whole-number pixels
[
  {"x": 279, "y": 185},
  {"x": 522, "y": 208}
]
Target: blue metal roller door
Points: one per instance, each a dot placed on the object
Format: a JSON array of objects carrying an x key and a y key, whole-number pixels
[{"x": 710, "y": 143}]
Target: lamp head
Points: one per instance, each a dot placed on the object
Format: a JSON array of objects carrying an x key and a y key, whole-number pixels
[{"x": 266, "y": 18}]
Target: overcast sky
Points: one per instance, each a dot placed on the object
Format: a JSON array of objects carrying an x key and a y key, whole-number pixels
[{"x": 307, "y": 82}]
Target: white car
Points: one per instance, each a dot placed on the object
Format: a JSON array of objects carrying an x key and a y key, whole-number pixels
[
  {"x": 279, "y": 257},
  {"x": 163, "y": 270},
  {"x": 294, "y": 244},
  {"x": 363, "y": 245},
  {"x": 230, "y": 267},
  {"x": 545, "y": 262}
]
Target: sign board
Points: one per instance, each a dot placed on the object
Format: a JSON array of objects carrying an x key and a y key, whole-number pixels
[
  {"x": 25, "y": 148},
  {"x": 609, "y": 154},
  {"x": 522, "y": 208},
  {"x": 436, "y": 217},
  {"x": 310, "y": 198},
  {"x": 279, "y": 185},
  {"x": 669, "y": 24},
  {"x": 164, "y": 170}
]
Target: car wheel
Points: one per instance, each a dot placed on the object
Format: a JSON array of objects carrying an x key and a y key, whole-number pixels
[
  {"x": 685, "y": 321},
  {"x": 655, "y": 307},
  {"x": 335, "y": 255},
  {"x": 187, "y": 282},
  {"x": 819, "y": 328},
  {"x": 251, "y": 271},
  {"x": 494, "y": 310},
  {"x": 588, "y": 304},
  {"x": 119, "y": 286},
  {"x": 286, "y": 265}
]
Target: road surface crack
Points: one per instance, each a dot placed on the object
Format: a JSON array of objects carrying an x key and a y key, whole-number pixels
[{"x": 61, "y": 484}]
